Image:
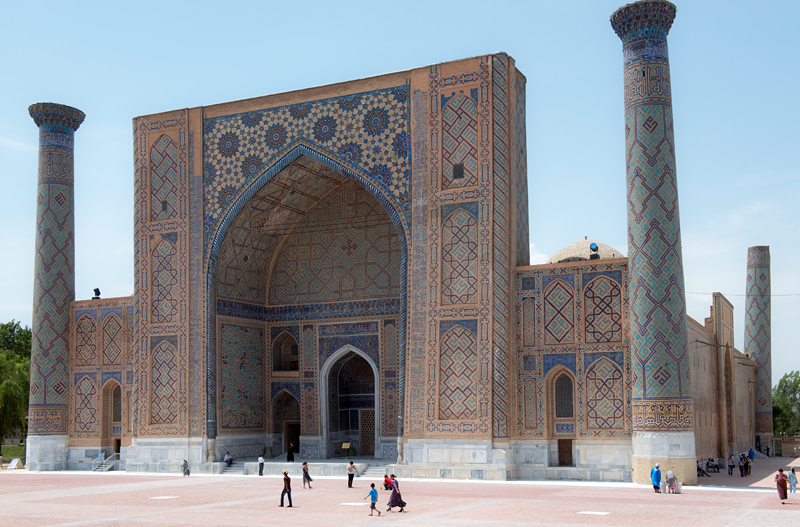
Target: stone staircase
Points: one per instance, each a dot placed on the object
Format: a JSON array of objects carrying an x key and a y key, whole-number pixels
[
  {"x": 375, "y": 472},
  {"x": 236, "y": 469}
]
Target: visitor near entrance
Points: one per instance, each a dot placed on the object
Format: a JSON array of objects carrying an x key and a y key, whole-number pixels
[
  {"x": 373, "y": 499},
  {"x": 781, "y": 480},
  {"x": 261, "y": 465},
  {"x": 306, "y": 476},
  {"x": 290, "y": 453},
  {"x": 351, "y": 473}
]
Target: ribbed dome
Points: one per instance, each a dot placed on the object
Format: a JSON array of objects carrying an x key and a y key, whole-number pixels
[{"x": 582, "y": 250}]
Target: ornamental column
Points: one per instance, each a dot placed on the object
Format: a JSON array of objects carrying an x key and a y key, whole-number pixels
[
  {"x": 54, "y": 287},
  {"x": 663, "y": 430},
  {"x": 758, "y": 335}
]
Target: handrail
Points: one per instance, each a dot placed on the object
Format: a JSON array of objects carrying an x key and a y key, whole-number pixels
[{"x": 102, "y": 462}]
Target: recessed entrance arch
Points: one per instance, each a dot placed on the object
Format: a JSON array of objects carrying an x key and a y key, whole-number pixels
[
  {"x": 282, "y": 203},
  {"x": 344, "y": 370}
]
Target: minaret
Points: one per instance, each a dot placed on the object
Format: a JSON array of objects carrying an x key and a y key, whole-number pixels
[
  {"x": 757, "y": 337},
  {"x": 54, "y": 287},
  {"x": 663, "y": 430}
]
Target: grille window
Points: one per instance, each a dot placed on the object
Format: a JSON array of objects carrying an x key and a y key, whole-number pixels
[
  {"x": 564, "y": 396},
  {"x": 117, "y": 405},
  {"x": 458, "y": 171},
  {"x": 164, "y": 206}
]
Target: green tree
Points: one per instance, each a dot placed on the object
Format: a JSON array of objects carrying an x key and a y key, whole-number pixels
[
  {"x": 15, "y": 338},
  {"x": 15, "y": 379},
  {"x": 786, "y": 405}
]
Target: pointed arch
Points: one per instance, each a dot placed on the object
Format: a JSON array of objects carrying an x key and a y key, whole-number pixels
[
  {"x": 562, "y": 411},
  {"x": 285, "y": 353},
  {"x": 390, "y": 205},
  {"x": 325, "y": 373}
]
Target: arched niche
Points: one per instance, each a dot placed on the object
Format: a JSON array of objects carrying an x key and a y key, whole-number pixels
[{"x": 285, "y": 355}]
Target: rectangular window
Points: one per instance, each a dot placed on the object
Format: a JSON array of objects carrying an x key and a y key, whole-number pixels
[{"x": 458, "y": 171}]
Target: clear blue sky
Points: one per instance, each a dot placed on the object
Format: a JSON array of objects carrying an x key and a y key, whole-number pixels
[{"x": 735, "y": 78}]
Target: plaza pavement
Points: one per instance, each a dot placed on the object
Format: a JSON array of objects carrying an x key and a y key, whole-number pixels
[{"x": 146, "y": 500}]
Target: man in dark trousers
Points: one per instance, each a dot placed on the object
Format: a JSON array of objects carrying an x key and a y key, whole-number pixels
[
  {"x": 287, "y": 488},
  {"x": 351, "y": 473}
]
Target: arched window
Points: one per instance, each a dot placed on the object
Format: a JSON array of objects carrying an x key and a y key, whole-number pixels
[
  {"x": 563, "y": 392},
  {"x": 284, "y": 354}
]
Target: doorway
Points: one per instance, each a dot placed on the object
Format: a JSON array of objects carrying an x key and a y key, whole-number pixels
[
  {"x": 291, "y": 435},
  {"x": 565, "y": 452},
  {"x": 117, "y": 445}
]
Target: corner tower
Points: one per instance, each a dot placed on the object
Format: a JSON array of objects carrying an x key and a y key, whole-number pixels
[
  {"x": 758, "y": 334},
  {"x": 662, "y": 398},
  {"x": 54, "y": 286}
]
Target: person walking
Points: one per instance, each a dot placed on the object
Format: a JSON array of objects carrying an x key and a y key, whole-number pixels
[
  {"x": 261, "y": 465},
  {"x": 351, "y": 473},
  {"x": 306, "y": 476},
  {"x": 780, "y": 482},
  {"x": 290, "y": 453},
  {"x": 655, "y": 476},
  {"x": 731, "y": 465},
  {"x": 373, "y": 499},
  {"x": 287, "y": 488},
  {"x": 185, "y": 467},
  {"x": 792, "y": 481},
  {"x": 741, "y": 465},
  {"x": 396, "y": 500}
]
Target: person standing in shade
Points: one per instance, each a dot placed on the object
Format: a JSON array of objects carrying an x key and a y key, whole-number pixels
[
  {"x": 261, "y": 465},
  {"x": 396, "y": 500},
  {"x": 306, "y": 476},
  {"x": 373, "y": 499},
  {"x": 780, "y": 481},
  {"x": 792, "y": 481},
  {"x": 351, "y": 473},
  {"x": 287, "y": 488},
  {"x": 655, "y": 476},
  {"x": 290, "y": 453}
]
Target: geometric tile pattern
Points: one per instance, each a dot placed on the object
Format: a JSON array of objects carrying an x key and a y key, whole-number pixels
[
  {"x": 113, "y": 340},
  {"x": 163, "y": 394},
  {"x": 460, "y": 258},
  {"x": 458, "y": 365},
  {"x": 657, "y": 297},
  {"x": 603, "y": 306},
  {"x": 521, "y": 174},
  {"x": 367, "y": 131},
  {"x": 502, "y": 65},
  {"x": 85, "y": 407},
  {"x": 559, "y": 314},
  {"x": 605, "y": 399},
  {"x": 460, "y": 139},
  {"x": 241, "y": 373},
  {"x": 163, "y": 179},
  {"x": 85, "y": 347},
  {"x": 345, "y": 248},
  {"x": 54, "y": 278},
  {"x": 164, "y": 280},
  {"x": 758, "y": 331},
  {"x": 538, "y": 362}
]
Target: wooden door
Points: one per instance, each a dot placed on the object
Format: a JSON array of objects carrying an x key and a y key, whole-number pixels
[{"x": 565, "y": 452}]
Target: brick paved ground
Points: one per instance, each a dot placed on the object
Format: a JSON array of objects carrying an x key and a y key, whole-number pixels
[{"x": 119, "y": 499}]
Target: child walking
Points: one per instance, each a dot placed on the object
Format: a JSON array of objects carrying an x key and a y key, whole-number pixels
[{"x": 373, "y": 499}]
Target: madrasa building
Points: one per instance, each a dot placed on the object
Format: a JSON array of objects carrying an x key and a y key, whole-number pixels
[{"x": 350, "y": 264}]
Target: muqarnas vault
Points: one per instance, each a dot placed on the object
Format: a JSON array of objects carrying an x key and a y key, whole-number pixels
[{"x": 350, "y": 264}]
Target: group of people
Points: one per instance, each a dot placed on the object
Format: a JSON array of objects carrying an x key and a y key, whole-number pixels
[
  {"x": 670, "y": 483},
  {"x": 389, "y": 483}
]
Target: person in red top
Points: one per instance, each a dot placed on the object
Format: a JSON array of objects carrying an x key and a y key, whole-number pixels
[{"x": 387, "y": 483}]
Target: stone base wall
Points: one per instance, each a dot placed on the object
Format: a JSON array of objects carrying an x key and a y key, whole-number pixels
[
  {"x": 295, "y": 470},
  {"x": 82, "y": 458},
  {"x": 46, "y": 453},
  {"x": 165, "y": 454},
  {"x": 671, "y": 450},
  {"x": 603, "y": 460},
  {"x": 244, "y": 447}
]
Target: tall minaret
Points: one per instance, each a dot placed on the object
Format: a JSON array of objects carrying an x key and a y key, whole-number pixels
[
  {"x": 757, "y": 337},
  {"x": 54, "y": 287},
  {"x": 663, "y": 430}
]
